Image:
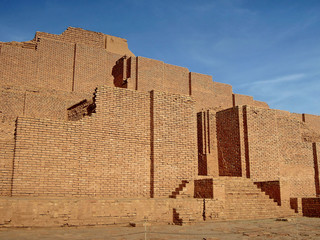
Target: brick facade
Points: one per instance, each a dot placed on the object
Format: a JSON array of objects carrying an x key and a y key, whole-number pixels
[{"x": 83, "y": 120}]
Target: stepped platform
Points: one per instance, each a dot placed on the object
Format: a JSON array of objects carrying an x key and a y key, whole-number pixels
[{"x": 238, "y": 198}]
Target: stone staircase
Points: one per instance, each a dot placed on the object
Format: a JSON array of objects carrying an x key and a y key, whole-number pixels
[
  {"x": 179, "y": 189},
  {"x": 243, "y": 200}
]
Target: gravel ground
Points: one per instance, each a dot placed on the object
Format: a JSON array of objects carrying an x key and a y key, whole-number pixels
[{"x": 292, "y": 228}]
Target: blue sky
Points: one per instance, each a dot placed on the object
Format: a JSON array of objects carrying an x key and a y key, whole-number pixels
[{"x": 264, "y": 48}]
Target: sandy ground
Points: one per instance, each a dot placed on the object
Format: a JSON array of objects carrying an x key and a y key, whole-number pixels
[{"x": 294, "y": 228}]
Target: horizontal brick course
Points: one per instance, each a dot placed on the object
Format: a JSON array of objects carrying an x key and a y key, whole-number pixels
[{"x": 82, "y": 118}]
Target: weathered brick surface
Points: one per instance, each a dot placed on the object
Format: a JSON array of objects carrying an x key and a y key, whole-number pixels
[
  {"x": 209, "y": 94},
  {"x": 95, "y": 39},
  {"x": 43, "y": 212},
  {"x": 174, "y": 156},
  {"x": 239, "y": 99},
  {"x": 271, "y": 188},
  {"x": 6, "y": 166},
  {"x": 12, "y": 105},
  {"x": 229, "y": 145},
  {"x": 157, "y": 75},
  {"x": 91, "y": 69},
  {"x": 149, "y": 74},
  {"x": 108, "y": 153},
  {"x": 105, "y": 155},
  {"x": 297, "y": 164},
  {"x": 207, "y": 143},
  {"x": 311, "y": 207},
  {"x": 203, "y": 188},
  {"x": 40, "y": 103},
  {"x": 148, "y": 131},
  {"x": 58, "y": 54},
  {"x": 18, "y": 66},
  {"x": 262, "y": 139}
]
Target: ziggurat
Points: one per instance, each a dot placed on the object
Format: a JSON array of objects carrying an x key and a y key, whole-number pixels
[{"x": 90, "y": 134}]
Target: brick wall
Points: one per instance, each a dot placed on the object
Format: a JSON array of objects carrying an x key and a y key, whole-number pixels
[
  {"x": 52, "y": 105},
  {"x": 56, "y": 64},
  {"x": 207, "y": 143},
  {"x": 159, "y": 76},
  {"x": 176, "y": 79},
  {"x": 316, "y": 160},
  {"x": 262, "y": 139},
  {"x": 12, "y": 105},
  {"x": 239, "y": 99},
  {"x": 311, "y": 207},
  {"x": 209, "y": 94},
  {"x": 79, "y": 60},
  {"x": 297, "y": 163},
  {"x": 106, "y": 154},
  {"x": 260, "y": 104},
  {"x": 201, "y": 88},
  {"x": 18, "y": 66},
  {"x": 60, "y": 65},
  {"x": 313, "y": 121},
  {"x": 174, "y": 155},
  {"x": 50, "y": 212},
  {"x": 203, "y": 188},
  {"x": 6, "y": 166},
  {"x": 271, "y": 188},
  {"x": 149, "y": 74},
  {"x": 91, "y": 68},
  {"x": 229, "y": 142},
  {"x": 40, "y": 103}
]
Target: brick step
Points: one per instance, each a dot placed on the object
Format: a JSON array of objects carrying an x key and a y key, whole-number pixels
[
  {"x": 239, "y": 184},
  {"x": 262, "y": 211},
  {"x": 244, "y": 194},
  {"x": 239, "y": 215},
  {"x": 238, "y": 188},
  {"x": 248, "y": 192},
  {"x": 233, "y": 217},
  {"x": 243, "y": 200},
  {"x": 253, "y": 204},
  {"x": 258, "y": 208},
  {"x": 247, "y": 198}
]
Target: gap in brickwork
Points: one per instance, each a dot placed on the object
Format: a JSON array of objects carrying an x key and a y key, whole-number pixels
[
  {"x": 14, "y": 154},
  {"x": 151, "y": 145},
  {"x": 201, "y": 133},
  {"x": 246, "y": 141},
  {"x": 74, "y": 65},
  {"x": 316, "y": 169},
  {"x": 82, "y": 109}
]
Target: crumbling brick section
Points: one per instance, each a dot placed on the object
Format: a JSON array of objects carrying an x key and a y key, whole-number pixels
[
  {"x": 106, "y": 154},
  {"x": 82, "y": 109}
]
